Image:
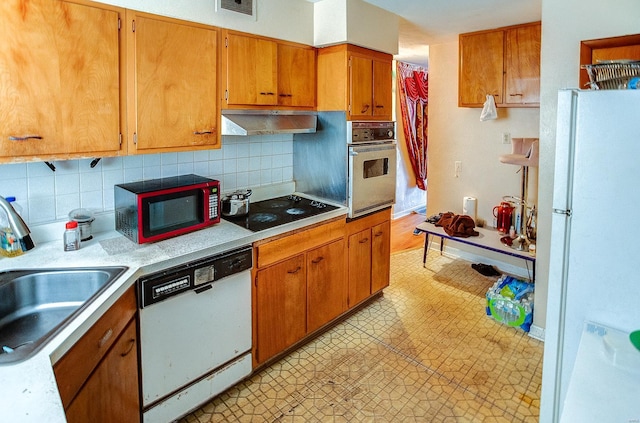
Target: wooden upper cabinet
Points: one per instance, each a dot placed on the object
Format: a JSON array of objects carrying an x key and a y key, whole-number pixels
[
  {"x": 522, "y": 61},
  {"x": 481, "y": 68},
  {"x": 361, "y": 92},
  {"x": 382, "y": 82},
  {"x": 251, "y": 70},
  {"x": 296, "y": 76},
  {"x": 356, "y": 80},
  {"x": 60, "y": 65},
  {"x": 504, "y": 62},
  {"x": 265, "y": 72},
  {"x": 173, "y": 84}
]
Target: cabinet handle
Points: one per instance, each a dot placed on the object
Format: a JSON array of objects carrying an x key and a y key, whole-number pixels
[
  {"x": 25, "y": 138},
  {"x": 294, "y": 271},
  {"x": 132, "y": 343},
  {"x": 515, "y": 95},
  {"x": 267, "y": 93},
  {"x": 379, "y": 106},
  {"x": 362, "y": 241},
  {"x": 205, "y": 132},
  {"x": 366, "y": 107},
  {"x": 285, "y": 95},
  {"x": 105, "y": 338},
  {"x": 378, "y": 233},
  {"x": 317, "y": 260}
]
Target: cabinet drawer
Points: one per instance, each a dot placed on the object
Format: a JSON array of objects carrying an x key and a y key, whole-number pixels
[
  {"x": 365, "y": 222},
  {"x": 290, "y": 245},
  {"x": 73, "y": 369}
]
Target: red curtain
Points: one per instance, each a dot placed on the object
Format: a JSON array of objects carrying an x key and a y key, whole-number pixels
[{"x": 414, "y": 86}]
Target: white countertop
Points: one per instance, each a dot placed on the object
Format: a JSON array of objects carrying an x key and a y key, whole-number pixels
[{"x": 28, "y": 391}]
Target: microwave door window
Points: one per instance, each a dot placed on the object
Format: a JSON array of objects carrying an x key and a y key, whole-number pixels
[{"x": 172, "y": 212}]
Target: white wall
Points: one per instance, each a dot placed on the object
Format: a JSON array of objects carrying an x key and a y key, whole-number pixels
[
  {"x": 283, "y": 19},
  {"x": 355, "y": 22}
]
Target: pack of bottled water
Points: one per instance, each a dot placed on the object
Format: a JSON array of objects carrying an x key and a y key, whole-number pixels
[{"x": 510, "y": 301}]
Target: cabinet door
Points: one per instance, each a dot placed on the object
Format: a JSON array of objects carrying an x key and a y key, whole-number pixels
[
  {"x": 296, "y": 76},
  {"x": 326, "y": 284},
  {"x": 251, "y": 71},
  {"x": 281, "y": 299},
  {"x": 382, "y": 81},
  {"x": 361, "y": 87},
  {"x": 522, "y": 77},
  {"x": 481, "y": 68},
  {"x": 60, "y": 91},
  {"x": 359, "y": 266},
  {"x": 175, "y": 86},
  {"x": 380, "y": 256},
  {"x": 111, "y": 393}
]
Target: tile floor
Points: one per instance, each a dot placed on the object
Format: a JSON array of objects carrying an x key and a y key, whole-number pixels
[{"x": 423, "y": 352}]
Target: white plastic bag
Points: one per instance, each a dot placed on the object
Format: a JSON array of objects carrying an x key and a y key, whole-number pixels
[{"x": 489, "y": 110}]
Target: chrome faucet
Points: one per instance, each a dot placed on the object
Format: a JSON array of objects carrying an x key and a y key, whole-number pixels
[{"x": 19, "y": 228}]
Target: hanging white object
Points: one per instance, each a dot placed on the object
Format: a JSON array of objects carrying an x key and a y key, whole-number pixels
[{"x": 489, "y": 109}]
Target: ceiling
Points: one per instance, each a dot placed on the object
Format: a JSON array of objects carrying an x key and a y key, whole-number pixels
[{"x": 425, "y": 22}]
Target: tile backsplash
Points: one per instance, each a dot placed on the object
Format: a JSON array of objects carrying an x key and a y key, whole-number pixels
[{"x": 47, "y": 196}]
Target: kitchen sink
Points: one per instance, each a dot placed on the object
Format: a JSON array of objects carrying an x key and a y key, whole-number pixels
[{"x": 36, "y": 304}]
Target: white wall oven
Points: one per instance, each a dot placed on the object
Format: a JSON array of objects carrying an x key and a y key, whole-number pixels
[{"x": 372, "y": 166}]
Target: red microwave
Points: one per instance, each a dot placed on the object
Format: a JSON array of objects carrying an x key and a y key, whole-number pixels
[{"x": 157, "y": 209}]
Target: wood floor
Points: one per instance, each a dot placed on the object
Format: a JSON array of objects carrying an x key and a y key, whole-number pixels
[{"x": 402, "y": 237}]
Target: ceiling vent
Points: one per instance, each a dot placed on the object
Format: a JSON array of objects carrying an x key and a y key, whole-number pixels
[{"x": 246, "y": 7}]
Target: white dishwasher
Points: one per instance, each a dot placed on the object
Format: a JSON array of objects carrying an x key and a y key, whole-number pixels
[{"x": 195, "y": 333}]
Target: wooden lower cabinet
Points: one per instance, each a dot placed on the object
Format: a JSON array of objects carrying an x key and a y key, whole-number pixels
[
  {"x": 281, "y": 305},
  {"x": 111, "y": 393},
  {"x": 297, "y": 293},
  {"x": 380, "y": 256},
  {"x": 326, "y": 288},
  {"x": 369, "y": 255},
  {"x": 98, "y": 377}
]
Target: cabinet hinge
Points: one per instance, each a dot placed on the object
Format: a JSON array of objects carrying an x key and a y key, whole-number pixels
[
  {"x": 226, "y": 95},
  {"x": 119, "y": 23},
  {"x": 133, "y": 26},
  {"x": 120, "y": 139},
  {"x": 135, "y": 138},
  {"x": 226, "y": 42}
]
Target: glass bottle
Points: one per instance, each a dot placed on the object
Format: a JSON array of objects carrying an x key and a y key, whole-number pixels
[{"x": 71, "y": 236}]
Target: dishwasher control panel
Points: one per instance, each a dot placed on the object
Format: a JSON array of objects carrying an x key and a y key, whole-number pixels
[{"x": 196, "y": 275}]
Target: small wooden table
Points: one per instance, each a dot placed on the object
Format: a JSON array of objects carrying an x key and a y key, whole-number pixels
[{"x": 488, "y": 239}]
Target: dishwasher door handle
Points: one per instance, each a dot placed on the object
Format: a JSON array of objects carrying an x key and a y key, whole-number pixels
[{"x": 203, "y": 289}]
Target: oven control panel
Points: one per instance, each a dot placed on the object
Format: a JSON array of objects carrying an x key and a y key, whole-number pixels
[{"x": 369, "y": 132}]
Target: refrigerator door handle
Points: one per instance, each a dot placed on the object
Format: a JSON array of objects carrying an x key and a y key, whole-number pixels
[{"x": 561, "y": 211}]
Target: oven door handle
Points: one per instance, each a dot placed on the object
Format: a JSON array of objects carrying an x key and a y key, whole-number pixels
[{"x": 365, "y": 148}]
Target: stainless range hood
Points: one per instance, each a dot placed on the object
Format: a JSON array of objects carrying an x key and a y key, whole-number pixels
[{"x": 263, "y": 122}]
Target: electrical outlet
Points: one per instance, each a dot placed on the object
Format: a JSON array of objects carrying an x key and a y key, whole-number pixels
[
  {"x": 506, "y": 138},
  {"x": 457, "y": 168}
]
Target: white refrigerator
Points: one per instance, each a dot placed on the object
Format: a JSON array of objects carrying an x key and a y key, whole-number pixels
[{"x": 591, "y": 371}]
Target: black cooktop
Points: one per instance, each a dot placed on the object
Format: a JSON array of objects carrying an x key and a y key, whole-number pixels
[{"x": 278, "y": 211}]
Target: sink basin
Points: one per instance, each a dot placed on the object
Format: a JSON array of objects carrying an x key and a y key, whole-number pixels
[{"x": 36, "y": 304}]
